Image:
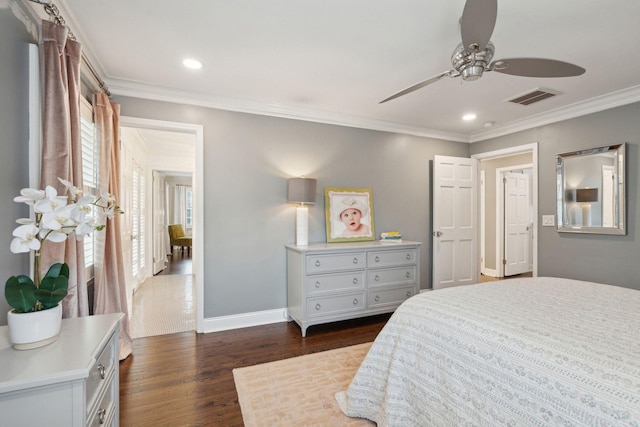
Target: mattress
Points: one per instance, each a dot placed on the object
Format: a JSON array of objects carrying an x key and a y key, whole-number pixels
[{"x": 523, "y": 352}]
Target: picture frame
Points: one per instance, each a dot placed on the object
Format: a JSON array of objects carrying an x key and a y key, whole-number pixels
[{"x": 349, "y": 214}]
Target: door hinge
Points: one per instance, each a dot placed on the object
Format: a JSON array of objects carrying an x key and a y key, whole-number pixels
[{"x": 504, "y": 262}]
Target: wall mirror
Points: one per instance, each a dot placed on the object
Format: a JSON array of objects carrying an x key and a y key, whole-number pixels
[{"x": 590, "y": 190}]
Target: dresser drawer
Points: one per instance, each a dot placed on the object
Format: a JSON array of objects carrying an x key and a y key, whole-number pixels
[
  {"x": 104, "y": 414},
  {"x": 341, "y": 262},
  {"x": 389, "y": 258},
  {"x": 392, "y": 276},
  {"x": 100, "y": 372},
  {"x": 332, "y": 282},
  {"x": 335, "y": 304},
  {"x": 394, "y": 296}
]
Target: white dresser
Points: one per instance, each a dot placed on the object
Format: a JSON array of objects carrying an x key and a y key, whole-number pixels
[
  {"x": 327, "y": 282},
  {"x": 72, "y": 382}
]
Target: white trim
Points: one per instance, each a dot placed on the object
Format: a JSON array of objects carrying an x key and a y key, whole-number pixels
[
  {"x": 482, "y": 222},
  {"x": 198, "y": 207},
  {"x": 35, "y": 117},
  {"x": 245, "y": 320},
  {"x": 146, "y": 91},
  {"x": 490, "y": 272},
  {"x": 520, "y": 149}
]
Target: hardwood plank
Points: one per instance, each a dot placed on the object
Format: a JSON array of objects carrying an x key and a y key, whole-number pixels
[{"x": 186, "y": 379}]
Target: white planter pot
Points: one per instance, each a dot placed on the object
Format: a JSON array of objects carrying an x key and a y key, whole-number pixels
[{"x": 36, "y": 329}]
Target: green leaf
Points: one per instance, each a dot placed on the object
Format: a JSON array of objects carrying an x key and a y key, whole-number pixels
[
  {"x": 20, "y": 292},
  {"x": 58, "y": 269},
  {"x": 52, "y": 290}
]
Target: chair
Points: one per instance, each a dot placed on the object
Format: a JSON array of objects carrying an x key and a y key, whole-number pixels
[{"x": 177, "y": 238}]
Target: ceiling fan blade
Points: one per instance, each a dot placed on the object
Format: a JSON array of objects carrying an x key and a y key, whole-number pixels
[
  {"x": 535, "y": 67},
  {"x": 477, "y": 23},
  {"x": 419, "y": 85}
]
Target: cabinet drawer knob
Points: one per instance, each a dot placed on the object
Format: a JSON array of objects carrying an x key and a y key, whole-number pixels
[
  {"x": 355, "y": 260},
  {"x": 376, "y": 278},
  {"x": 317, "y": 263},
  {"x": 377, "y": 259},
  {"x": 355, "y": 280},
  {"x": 102, "y": 416},
  {"x": 377, "y": 298},
  {"x": 102, "y": 371},
  {"x": 317, "y": 284},
  {"x": 408, "y": 274},
  {"x": 318, "y": 306},
  {"x": 355, "y": 301},
  {"x": 408, "y": 256}
]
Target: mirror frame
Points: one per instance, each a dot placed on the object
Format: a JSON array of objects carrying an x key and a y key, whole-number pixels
[{"x": 619, "y": 180}]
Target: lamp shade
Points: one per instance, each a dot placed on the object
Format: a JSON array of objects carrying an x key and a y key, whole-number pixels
[
  {"x": 301, "y": 190},
  {"x": 586, "y": 195}
]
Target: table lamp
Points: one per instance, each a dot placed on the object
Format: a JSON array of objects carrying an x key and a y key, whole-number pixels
[{"x": 302, "y": 190}]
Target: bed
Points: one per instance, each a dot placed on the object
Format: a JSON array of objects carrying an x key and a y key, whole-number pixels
[{"x": 522, "y": 352}]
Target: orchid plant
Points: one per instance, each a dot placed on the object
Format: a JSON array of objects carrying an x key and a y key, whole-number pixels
[{"x": 56, "y": 218}]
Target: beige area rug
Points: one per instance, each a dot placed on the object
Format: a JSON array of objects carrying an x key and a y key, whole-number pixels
[{"x": 299, "y": 391}]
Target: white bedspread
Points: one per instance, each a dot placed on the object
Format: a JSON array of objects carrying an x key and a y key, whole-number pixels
[{"x": 522, "y": 352}]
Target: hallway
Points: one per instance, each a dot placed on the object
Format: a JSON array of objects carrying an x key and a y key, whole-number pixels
[{"x": 164, "y": 303}]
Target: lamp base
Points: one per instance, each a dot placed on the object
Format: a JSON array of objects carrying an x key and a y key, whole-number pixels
[{"x": 302, "y": 226}]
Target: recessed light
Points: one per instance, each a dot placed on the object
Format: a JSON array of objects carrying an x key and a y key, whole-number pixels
[
  {"x": 468, "y": 117},
  {"x": 192, "y": 64}
]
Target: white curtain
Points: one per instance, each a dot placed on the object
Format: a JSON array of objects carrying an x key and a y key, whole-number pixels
[{"x": 179, "y": 206}]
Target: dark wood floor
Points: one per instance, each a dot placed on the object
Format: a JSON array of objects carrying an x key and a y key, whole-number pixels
[
  {"x": 186, "y": 380},
  {"x": 178, "y": 263}
]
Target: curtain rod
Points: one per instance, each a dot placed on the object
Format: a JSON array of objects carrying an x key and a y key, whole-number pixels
[{"x": 54, "y": 14}]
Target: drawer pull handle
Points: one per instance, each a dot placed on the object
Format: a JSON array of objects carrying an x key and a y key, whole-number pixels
[
  {"x": 377, "y": 259},
  {"x": 318, "y": 263},
  {"x": 355, "y": 280},
  {"x": 355, "y": 301},
  {"x": 377, "y": 298},
  {"x": 318, "y": 306},
  {"x": 408, "y": 274},
  {"x": 355, "y": 260},
  {"x": 408, "y": 293},
  {"x": 102, "y": 371},
  {"x": 408, "y": 256},
  {"x": 318, "y": 284},
  {"x": 102, "y": 416},
  {"x": 376, "y": 278}
]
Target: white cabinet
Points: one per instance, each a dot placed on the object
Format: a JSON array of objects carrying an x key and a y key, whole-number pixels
[
  {"x": 327, "y": 282},
  {"x": 72, "y": 382}
]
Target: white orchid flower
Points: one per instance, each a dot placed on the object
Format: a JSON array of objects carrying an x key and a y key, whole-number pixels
[
  {"x": 25, "y": 239},
  {"x": 29, "y": 196},
  {"x": 52, "y": 235},
  {"x": 85, "y": 228},
  {"x": 51, "y": 201},
  {"x": 72, "y": 189},
  {"x": 82, "y": 209},
  {"x": 59, "y": 218},
  {"x": 24, "y": 221}
]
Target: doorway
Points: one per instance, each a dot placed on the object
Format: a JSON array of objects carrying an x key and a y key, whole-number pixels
[
  {"x": 520, "y": 159},
  {"x": 175, "y": 149}
]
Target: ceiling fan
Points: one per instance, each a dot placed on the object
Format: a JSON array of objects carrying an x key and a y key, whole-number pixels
[{"x": 473, "y": 56}]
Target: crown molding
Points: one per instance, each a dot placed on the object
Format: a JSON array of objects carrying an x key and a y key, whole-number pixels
[{"x": 157, "y": 93}]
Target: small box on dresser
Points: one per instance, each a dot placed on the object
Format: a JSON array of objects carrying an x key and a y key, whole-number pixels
[
  {"x": 71, "y": 382},
  {"x": 327, "y": 282}
]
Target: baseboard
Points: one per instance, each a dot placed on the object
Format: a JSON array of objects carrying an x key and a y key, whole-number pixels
[
  {"x": 490, "y": 272},
  {"x": 244, "y": 320}
]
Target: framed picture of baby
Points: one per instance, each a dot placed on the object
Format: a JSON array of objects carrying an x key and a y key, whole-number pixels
[{"x": 349, "y": 214}]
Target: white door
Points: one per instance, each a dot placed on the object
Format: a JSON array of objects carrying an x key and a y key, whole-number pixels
[
  {"x": 159, "y": 220},
  {"x": 608, "y": 199},
  {"x": 517, "y": 225},
  {"x": 455, "y": 222}
]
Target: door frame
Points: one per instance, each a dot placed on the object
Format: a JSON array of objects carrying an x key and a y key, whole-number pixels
[
  {"x": 198, "y": 198},
  {"x": 505, "y": 152}
]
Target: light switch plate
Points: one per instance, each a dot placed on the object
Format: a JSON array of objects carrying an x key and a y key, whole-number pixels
[{"x": 548, "y": 220}]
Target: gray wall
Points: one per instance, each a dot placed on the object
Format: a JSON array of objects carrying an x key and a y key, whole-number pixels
[
  {"x": 597, "y": 258},
  {"x": 14, "y": 139},
  {"x": 248, "y": 159}
]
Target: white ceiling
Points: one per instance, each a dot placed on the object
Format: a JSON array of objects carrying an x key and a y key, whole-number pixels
[{"x": 334, "y": 60}]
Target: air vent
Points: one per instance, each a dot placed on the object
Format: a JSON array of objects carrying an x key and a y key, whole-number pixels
[{"x": 534, "y": 96}]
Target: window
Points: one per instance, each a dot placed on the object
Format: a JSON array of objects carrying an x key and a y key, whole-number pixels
[
  {"x": 90, "y": 166},
  {"x": 189, "y": 207}
]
